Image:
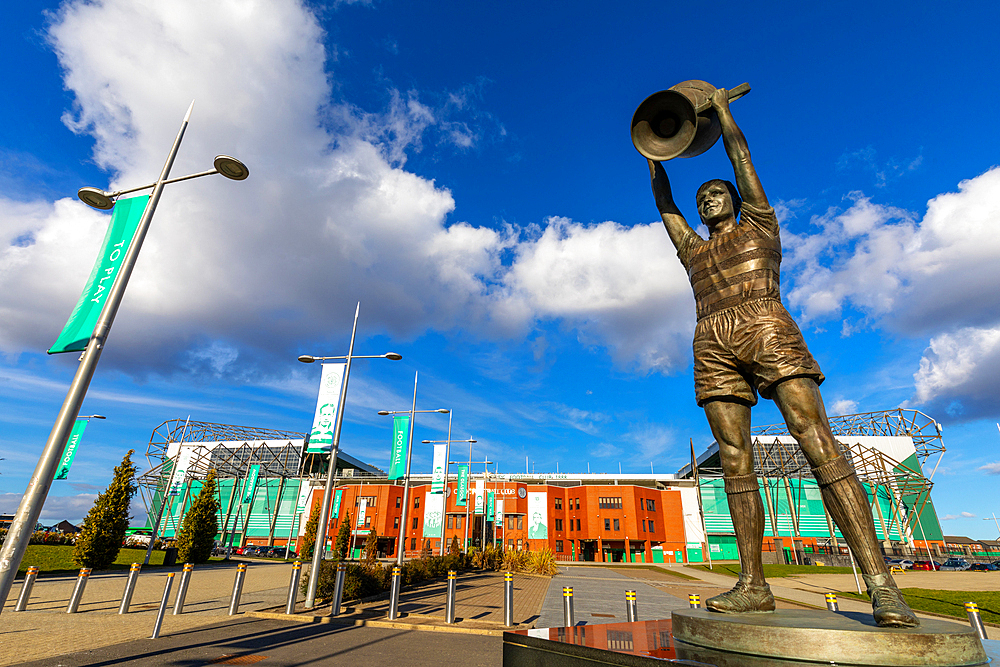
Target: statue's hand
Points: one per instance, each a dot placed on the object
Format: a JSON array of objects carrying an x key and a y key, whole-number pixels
[
  {"x": 720, "y": 99},
  {"x": 661, "y": 186}
]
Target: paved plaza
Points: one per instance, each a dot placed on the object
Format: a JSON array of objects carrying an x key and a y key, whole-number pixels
[{"x": 99, "y": 635}]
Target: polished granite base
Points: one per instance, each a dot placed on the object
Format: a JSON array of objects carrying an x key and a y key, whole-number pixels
[{"x": 814, "y": 638}]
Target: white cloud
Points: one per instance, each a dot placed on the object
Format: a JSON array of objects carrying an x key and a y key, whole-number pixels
[
  {"x": 937, "y": 277},
  {"x": 959, "y": 370},
  {"x": 843, "y": 407},
  {"x": 960, "y": 515},
  {"x": 231, "y": 274},
  {"x": 991, "y": 468}
]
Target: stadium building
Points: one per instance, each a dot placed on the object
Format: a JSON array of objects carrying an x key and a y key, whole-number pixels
[{"x": 682, "y": 517}]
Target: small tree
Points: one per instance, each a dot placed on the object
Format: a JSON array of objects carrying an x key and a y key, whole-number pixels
[
  {"x": 453, "y": 548},
  {"x": 343, "y": 542},
  {"x": 426, "y": 551},
  {"x": 309, "y": 539},
  {"x": 197, "y": 535},
  {"x": 371, "y": 549},
  {"x": 104, "y": 527}
]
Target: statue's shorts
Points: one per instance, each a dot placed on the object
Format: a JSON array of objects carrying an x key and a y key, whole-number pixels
[{"x": 747, "y": 349}]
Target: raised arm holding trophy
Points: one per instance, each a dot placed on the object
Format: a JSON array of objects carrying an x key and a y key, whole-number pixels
[{"x": 746, "y": 343}]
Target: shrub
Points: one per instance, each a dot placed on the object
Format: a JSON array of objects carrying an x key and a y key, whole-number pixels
[
  {"x": 343, "y": 542},
  {"x": 197, "y": 534},
  {"x": 425, "y": 552},
  {"x": 104, "y": 526},
  {"x": 542, "y": 562},
  {"x": 515, "y": 561},
  {"x": 454, "y": 548},
  {"x": 309, "y": 539},
  {"x": 371, "y": 550}
]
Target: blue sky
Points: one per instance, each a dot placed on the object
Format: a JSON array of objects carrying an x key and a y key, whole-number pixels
[{"x": 464, "y": 170}]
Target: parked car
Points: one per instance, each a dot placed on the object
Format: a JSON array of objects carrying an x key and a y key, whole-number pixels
[
  {"x": 904, "y": 563},
  {"x": 955, "y": 565},
  {"x": 926, "y": 565},
  {"x": 983, "y": 567}
]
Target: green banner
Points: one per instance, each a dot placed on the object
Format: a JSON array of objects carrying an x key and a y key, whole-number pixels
[
  {"x": 400, "y": 441},
  {"x": 336, "y": 502},
  {"x": 251, "y": 486},
  {"x": 490, "y": 505},
  {"x": 70, "y": 452},
  {"x": 463, "y": 486},
  {"x": 78, "y": 330}
]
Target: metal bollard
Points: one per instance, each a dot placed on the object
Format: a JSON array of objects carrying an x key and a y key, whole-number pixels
[
  {"x": 568, "y": 619},
  {"x": 338, "y": 588},
  {"x": 397, "y": 581},
  {"x": 293, "y": 587},
  {"x": 508, "y": 599},
  {"x": 449, "y": 607},
  {"x": 831, "y": 602},
  {"x": 631, "y": 611},
  {"x": 163, "y": 606},
  {"x": 694, "y": 601},
  {"x": 81, "y": 583},
  {"x": 133, "y": 576},
  {"x": 972, "y": 609},
  {"x": 182, "y": 588},
  {"x": 234, "y": 603},
  {"x": 29, "y": 582}
]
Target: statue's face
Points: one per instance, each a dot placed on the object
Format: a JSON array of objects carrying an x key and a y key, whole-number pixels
[{"x": 714, "y": 203}]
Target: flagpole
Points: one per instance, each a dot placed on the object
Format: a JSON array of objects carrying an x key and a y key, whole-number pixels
[
  {"x": 38, "y": 487},
  {"x": 319, "y": 545}
]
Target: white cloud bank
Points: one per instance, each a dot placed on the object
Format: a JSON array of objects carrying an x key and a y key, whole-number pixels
[
  {"x": 328, "y": 217},
  {"x": 233, "y": 274}
]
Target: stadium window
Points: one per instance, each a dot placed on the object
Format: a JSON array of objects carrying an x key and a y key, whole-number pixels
[
  {"x": 415, "y": 520},
  {"x": 520, "y": 524},
  {"x": 617, "y": 526},
  {"x": 642, "y": 504},
  {"x": 398, "y": 501},
  {"x": 578, "y": 503},
  {"x": 651, "y": 529},
  {"x": 368, "y": 521},
  {"x": 607, "y": 524},
  {"x": 413, "y": 544},
  {"x": 395, "y": 523},
  {"x": 651, "y": 505},
  {"x": 644, "y": 525},
  {"x": 559, "y": 546},
  {"x": 559, "y": 524},
  {"x": 578, "y": 524},
  {"x": 416, "y": 503},
  {"x": 451, "y": 521},
  {"x": 558, "y": 503}
]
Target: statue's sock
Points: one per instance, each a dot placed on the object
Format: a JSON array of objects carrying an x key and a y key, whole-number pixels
[{"x": 747, "y": 511}]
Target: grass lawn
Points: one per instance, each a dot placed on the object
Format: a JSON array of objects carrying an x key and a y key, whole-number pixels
[
  {"x": 58, "y": 559},
  {"x": 948, "y": 603},
  {"x": 772, "y": 571}
]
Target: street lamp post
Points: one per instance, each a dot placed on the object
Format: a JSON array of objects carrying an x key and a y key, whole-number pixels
[
  {"x": 447, "y": 465},
  {"x": 319, "y": 545},
  {"x": 38, "y": 487},
  {"x": 401, "y": 547}
]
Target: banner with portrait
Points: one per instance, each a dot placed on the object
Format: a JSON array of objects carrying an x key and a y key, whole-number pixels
[
  {"x": 433, "y": 514},
  {"x": 331, "y": 383},
  {"x": 538, "y": 516}
]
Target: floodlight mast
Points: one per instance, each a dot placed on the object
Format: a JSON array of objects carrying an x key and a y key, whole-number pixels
[{"x": 34, "y": 496}]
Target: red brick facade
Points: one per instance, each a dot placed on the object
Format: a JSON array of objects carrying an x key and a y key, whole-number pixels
[{"x": 585, "y": 522}]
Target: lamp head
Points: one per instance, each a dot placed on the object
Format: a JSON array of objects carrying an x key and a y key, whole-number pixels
[
  {"x": 442, "y": 411},
  {"x": 383, "y": 412},
  {"x": 230, "y": 167},
  {"x": 425, "y": 442},
  {"x": 96, "y": 198},
  {"x": 307, "y": 358},
  {"x": 393, "y": 356}
]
